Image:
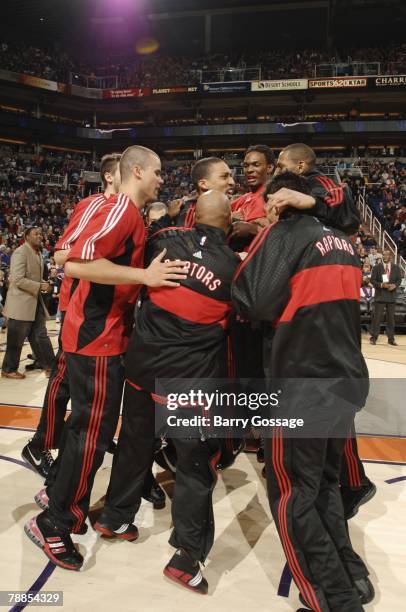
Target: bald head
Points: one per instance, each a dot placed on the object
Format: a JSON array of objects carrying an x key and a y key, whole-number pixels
[
  {"x": 297, "y": 158},
  {"x": 213, "y": 208},
  {"x": 135, "y": 156}
]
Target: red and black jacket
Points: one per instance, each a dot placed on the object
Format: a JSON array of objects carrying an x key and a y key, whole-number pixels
[
  {"x": 304, "y": 280},
  {"x": 181, "y": 332},
  {"x": 335, "y": 205}
]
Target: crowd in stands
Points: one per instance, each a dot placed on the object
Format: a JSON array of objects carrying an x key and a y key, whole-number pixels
[{"x": 158, "y": 70}]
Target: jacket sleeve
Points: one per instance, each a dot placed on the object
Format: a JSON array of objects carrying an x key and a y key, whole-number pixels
[
  {"x": 375, "y": 277},
  {"x": 261, "y": 289},
  {"x": 18, "y": 271},
  {"x": 335, "y": 205}
]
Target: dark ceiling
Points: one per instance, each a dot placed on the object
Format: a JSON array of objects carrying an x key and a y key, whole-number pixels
[{"x": 113, "y": 26}]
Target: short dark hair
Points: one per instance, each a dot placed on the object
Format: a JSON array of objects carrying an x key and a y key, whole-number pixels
[
  {"x": 265, "y": 150},
  {"x": 289, "y": 180},
  {"x": 108, "y": 164},
  {"x": 28, "y": 230},
  {"x": 201, "y": 169}
]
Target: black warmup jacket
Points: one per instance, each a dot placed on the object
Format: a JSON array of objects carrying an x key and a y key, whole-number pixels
[
  {"x": 335, "y": 205},
  {"x": 304, "y": 280},
  {"x": 181, "y": 332}
]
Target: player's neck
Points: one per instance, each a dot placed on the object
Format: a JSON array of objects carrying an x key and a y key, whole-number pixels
[
  {"x": 134, "y": 193},
  {"x": 256, "y": 188}
]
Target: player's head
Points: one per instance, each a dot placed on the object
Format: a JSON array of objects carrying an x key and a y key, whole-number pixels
[
  {"x": 110, "y": 172},
  {"x": 258, "y": 165},
  {"x": 155, "y": 211},
  {"x": 213, "y": 208},
  {"x": 212, "y": 173},
  {"x": 287, "y": 180},
  {"x": 297, "y": 158},
  {"x": 140, "y": 169}
]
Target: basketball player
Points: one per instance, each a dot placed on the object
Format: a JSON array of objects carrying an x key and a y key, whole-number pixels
[
  {"x": 340, "y": 212},
  {"x": 179, "y": 334},
  {"x": 107, "y": 259},
  {"x": 49, "y": 430},
  {"x": 303, "y": 279}
]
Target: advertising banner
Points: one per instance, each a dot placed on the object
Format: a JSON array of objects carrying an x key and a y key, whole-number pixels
[
  {"x": 230, "y": 87},
  {"x": 174, "y": 90},
  {"x": 283, "y": 85},
  {"x": 398, "y": 80},
  {"x": 133, "y": 92},
  {"x": 338, "y": 82}
]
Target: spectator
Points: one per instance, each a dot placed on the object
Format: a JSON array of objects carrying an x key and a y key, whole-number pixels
[{"x": 25, "y": 307}]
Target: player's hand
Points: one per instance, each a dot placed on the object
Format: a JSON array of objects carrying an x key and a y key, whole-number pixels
[
  {"x": 242, "y": 229},
  {"x": 288, "y": 197},
  {"x": 236, "y": 215},
  {"x": 174, "y": 207},
  {"x": 45, "y": 287},
  {"x": 164, "y": 274},
  {"x": 391, "y": 287}
]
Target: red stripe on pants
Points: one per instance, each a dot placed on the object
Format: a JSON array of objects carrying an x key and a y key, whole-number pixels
[
  {"x": 285, "y": 488},
  {"x": 96, "y": 415},
  {"x": 352, "y": 464},
  {"x": 51, "y": 408}
]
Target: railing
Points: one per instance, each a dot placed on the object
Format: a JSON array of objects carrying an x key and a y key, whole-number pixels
[
  {"x": 54, "y": 180},
  {"x": 227, "y": 74},
  {"x": 384, "y": 240},
  {"x": 94, "y": 82},
  {"x": 347, "y": 69}
]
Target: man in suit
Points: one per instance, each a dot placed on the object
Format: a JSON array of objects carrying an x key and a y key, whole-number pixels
[
  {"x": 25, "y": 308},
  {"x": 386, "y": 278}
]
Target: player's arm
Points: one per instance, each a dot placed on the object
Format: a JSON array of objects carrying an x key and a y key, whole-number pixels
[
  {"x": 61, "y": 257},
  {"x": 261, "y": 289},
  {"x": 335, "y": 205},
  {"x": 103, "y": 271}
]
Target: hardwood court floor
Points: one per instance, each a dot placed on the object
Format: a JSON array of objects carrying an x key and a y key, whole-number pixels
[{"x": 245, "y": 566}]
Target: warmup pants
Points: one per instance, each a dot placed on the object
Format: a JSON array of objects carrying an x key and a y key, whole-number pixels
[
  {"x": 192, "y": 508},
  {"x": 96, "y": 385},
  {"x": 378, "y": 315},
  {"x": 352, "y": 473},
  {"x": 57, "y": 396},
  {"x": 36, "y": 332},
  {"x": 247, "y": 347},
  {"x": 305, "y": 501}
]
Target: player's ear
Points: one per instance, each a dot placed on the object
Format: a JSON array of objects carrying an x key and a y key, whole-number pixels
[
  {"x": 203, "y": 185},
  {"x": 137, "y": 172}
]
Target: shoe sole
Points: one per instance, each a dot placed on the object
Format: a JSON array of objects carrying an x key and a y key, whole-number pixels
[
  {"x": 167, "y": 572},
  {"x": 40, "y": 503},
  {"x": 107, "y": 533},
  {"x": 363, "y": 501},
  {"x": 35, "y": 535}
]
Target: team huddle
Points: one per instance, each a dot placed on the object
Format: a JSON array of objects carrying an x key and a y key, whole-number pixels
[{"x": 265, "y": 286}]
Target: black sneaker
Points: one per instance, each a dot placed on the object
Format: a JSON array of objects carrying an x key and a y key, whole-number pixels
[
  {"x": 42, "y": 500},
  {"x": 354, "y": 498},
  {"x": 186, "y": 572},
  {"x": 56, "y": 544},
  {"x": 112, "y": 447},
  {"x": 33, "y": 366},
  {"x": 155, "y": 495},
  {"x": 126, "y": 531},
  {"x": 365, "y": 590},
  {"x": 261, "y": 455},
  {"x": 40, "y": 461}
]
